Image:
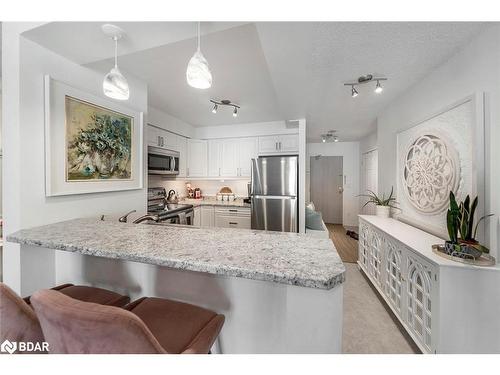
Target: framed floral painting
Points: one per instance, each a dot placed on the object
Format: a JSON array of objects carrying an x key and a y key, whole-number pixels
[{"x": 92, "y": 144}]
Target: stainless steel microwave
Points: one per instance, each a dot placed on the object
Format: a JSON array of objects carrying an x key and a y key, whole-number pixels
[{"x": 163, "y": 162}]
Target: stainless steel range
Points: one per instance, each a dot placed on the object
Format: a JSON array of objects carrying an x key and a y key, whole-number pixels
[{"x": 173, "y": 213}]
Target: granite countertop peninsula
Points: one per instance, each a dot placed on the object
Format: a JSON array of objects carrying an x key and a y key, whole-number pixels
[
  {"x": 287, "y": 258},
  {"x": 212, "y": 201}
]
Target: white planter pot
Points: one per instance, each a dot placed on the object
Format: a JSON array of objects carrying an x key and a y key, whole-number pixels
[{"x": 383, "y": 211}]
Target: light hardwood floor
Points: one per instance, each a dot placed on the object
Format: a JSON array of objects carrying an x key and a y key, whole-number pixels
[{"x": 346, "y": 246}]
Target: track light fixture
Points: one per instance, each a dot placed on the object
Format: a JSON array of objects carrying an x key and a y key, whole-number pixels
[
  {"x": 225, "y": 102},
  {"x": 354, "y": 92},
  {"x": 329, "y": 137},
  {"x": 366, "y": 79}
]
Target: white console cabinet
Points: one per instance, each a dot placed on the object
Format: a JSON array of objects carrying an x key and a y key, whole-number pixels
[{"x": 445, "y": 306}]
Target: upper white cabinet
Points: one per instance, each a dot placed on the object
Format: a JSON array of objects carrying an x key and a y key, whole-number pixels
[
  {"x": 247, "y": 150},
  {"x": 231, "y": 157},
  {"x": 279, "y": 144},
  {"x": 182, "y": 148},
  {"x": 158, "y": 137},
  {"x": 197, "y": 158}
]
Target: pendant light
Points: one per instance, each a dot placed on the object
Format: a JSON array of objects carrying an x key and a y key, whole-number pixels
[
  {"x": 115, "y": 85},
  {"x": 198, "y": 73}
]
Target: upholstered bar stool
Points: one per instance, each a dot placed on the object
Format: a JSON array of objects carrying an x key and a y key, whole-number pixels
[
  {"x": 149, "y": 325},
  {"x": 18, "y": 321}
]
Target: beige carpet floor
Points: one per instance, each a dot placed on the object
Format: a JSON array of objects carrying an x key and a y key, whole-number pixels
[{"x": 369, "y": 326}]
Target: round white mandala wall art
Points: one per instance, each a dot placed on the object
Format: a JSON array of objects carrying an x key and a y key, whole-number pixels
[{"x": 431, "y": 170}]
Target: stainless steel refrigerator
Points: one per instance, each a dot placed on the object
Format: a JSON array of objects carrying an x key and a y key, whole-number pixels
[{"x": 274, "y": 193}]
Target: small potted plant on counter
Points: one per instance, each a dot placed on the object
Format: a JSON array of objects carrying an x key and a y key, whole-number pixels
[
  {"x": 460, "y": 220},
  {"x": 382, "y": 204}
]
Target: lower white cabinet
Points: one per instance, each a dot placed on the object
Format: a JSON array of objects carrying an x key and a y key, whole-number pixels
[
  {"x": 207, "y": 216},
  {"x": 445, "y": 306},
  {"x": 232, "y": 217},
  {"x": 406, "y": 280},
  {"x": 197, "y": 216}
]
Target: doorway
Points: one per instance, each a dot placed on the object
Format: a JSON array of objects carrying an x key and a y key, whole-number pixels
[
  {"x": 369, "y": 178},
  {"x": 327, "y": 187}
]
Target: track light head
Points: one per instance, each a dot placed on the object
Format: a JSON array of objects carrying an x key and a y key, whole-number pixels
[
  {"x": 354, "y": 92},
  {"x": 214, "y": 109},
  {"x": 335, "y": 139},
  {"x": 235, "y": 112},
  {"x": 378, "y": 88}
]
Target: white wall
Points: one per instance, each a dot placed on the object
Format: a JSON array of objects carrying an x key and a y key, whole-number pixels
[
  {"x": 25, "y": 140},
  {"x": 244, "y": 130},
  {"x": 475, "y": 68},
  {"x": 168, "y": 122},
  {"x": 350, "y": 153}
]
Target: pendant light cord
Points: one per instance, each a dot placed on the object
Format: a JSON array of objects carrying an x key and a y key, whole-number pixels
[
  {"x": 116, "y": 52},
  {"x": 198, "y": 36}
]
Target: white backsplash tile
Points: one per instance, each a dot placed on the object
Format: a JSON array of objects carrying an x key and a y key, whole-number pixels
[{"x": 208, "y": 187}]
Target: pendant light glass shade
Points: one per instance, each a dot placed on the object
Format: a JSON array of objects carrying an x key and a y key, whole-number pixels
[
  {"x": 198, "y": 73},
  {"x": 115, "y": 85}
]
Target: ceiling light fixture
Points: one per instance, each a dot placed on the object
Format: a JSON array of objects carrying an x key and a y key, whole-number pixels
[
  {"x": 198, "y": 73},
  {"x": 366, "y": 79},
  {"x": 225, "y": 102},
  {"x": 329, "y": 136},
  {"x": 114, "y": 84}
]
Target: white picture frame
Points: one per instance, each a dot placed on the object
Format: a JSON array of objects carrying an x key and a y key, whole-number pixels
[
  {"x": 461, "y": 127},
  {"x": 56, "y": 181}
]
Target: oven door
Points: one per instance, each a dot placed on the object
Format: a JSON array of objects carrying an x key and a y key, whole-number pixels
[{"x": 162, "y": 162}]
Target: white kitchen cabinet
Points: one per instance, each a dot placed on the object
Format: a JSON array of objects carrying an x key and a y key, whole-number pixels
[
  {"x": 207, "y": 219},
  {"x": 232, "y": 217},
  {"x": 197, "y": 216},
  {"x": 182, "y": 148},
  {"x": 162, "y": 138},
  {"x": 247, "y": 150},
  {"x": 197, "y": 165},
  {"x": 231, "y": 157},
  {"x": 279, "y": 144}
]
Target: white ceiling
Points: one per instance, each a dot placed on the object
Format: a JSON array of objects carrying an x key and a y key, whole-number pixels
[{"x": 275, "y": 71}]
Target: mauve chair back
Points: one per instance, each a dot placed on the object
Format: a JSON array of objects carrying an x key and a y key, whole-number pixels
[
  {"x": 76, "y": 327},
  {"x": 18, "y": 321}
]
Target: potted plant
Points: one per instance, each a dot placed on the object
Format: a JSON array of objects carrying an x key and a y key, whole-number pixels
[
  {"x": 382, "y": 204},
  {"x": 460, "y": 220}
]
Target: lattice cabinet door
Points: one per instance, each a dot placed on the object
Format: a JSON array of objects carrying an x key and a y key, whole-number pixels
[
  {"x": 393, "y": 275},
  {"x": 420, "y": 284},
  {"x": 363, "y": 245},
  {"x": 375, "y": 257}
]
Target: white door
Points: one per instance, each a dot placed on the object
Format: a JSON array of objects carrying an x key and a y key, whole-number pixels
[
  {"x": 326, "y": 185},
  {"x": 197, "y": 158},
  {"x": 247, "y": 150},
  {"x": 214, "y": 157},
  {"x": 229, "y": 158},
  {"x": 289, "y": 143},
  {"x": 369, "y": 179}
]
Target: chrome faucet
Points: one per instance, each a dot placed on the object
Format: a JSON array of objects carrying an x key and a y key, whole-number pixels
[
  {"x": 146, "y": 217},
  {"x": 123, "y": 219}
]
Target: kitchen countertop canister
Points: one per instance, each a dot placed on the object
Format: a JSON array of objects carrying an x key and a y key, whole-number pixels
[{"x": 288, "y": 258}]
